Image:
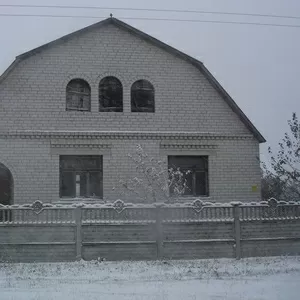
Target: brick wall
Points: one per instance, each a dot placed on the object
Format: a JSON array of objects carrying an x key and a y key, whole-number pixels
[
  {"x": 33, "y": 97},
  {"x": 35, "y": 168}
]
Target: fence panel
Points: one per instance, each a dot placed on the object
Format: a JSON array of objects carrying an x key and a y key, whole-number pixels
[
  {"x": 36, "y": 213},
  {"x": 37, "y": 232},
  {"x": 114, "y": 231},
  {"x": 270, "y": 228}
]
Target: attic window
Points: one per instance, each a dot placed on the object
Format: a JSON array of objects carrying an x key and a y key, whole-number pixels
[
  {"x": 110, "y": 94},
  {"x": 78, "y": 95},
  {"x": 142, "y": 96}
]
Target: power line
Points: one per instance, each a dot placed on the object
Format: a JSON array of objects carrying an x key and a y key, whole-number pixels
[
  {"x": 155, "y": 19},
  {"x": 150, "y": 10}
]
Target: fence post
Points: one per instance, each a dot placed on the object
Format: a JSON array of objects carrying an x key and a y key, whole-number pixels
[
  {"x": 159, "y": 231},
  {"x": 237, "y": 229},
  {"x": 78, "y": 222}
]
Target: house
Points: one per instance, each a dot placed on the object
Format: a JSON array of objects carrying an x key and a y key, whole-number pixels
[{"x": 73, "y": 109}]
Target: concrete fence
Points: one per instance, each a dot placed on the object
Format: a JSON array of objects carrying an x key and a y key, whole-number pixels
[{"x": 124, "y": 231}]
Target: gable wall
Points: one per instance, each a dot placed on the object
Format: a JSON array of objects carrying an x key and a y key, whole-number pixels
[{"x": 33, "y": 96}]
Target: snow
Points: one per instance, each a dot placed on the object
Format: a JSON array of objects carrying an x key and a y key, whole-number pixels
[{"x": 254, "y": 278}]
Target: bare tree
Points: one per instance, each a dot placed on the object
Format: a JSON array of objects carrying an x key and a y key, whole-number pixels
[
  {"x": 286, "y": 162},
  {"x": 154, "y": 181},
  {"x": 271, "y": 186}
]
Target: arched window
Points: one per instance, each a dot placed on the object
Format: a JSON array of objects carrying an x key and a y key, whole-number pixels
[
  {"x": 142, "y": 96},
  {"x": 110, "y": 94},
  {"x": 78, "y": 95}
]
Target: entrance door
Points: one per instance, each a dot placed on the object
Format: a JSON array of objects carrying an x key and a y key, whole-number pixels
[{"x": 6, "y": 186}]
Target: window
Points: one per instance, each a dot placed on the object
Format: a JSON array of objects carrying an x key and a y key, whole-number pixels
[
  {"x": 6, "y": 186},
  {"x": 197, "y": 177},
  {"x": 110, "y": 94},
  {"x": 81, "y": 176},
  {"x": 142, "y": 96},
  {"x": 78, "y": 95},
  {"x": 6, "y": 193}
]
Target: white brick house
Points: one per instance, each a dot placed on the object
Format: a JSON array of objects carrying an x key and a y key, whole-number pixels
[{"x": 98, "y": 92}]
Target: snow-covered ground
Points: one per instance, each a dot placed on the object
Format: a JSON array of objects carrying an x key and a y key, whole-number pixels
[{"x": 255, "y": 278}]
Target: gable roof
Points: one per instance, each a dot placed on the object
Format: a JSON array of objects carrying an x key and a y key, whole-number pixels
[{"x": 198, "y": 64}]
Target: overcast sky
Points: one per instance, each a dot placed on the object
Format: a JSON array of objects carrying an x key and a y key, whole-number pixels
[{"x": 258, "y": 66}]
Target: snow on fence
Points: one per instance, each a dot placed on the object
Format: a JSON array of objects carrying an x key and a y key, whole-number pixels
[{"x": 114, "y": 231}]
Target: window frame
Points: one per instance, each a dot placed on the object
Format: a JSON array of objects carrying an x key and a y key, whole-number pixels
[
  {"x": 75, "y": 172},
  {"x": 119, "y": 85},
  {"x": 148, "y": 86},
  {"x": 71, "y": 91},
  {"x": 194, "y": 172}
]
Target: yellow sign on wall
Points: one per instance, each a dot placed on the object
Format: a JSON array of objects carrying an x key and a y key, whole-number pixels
[{"x": 254, "y": 188}]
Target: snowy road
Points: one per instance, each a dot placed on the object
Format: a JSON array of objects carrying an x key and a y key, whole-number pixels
[{"x": 259, "y": 279}]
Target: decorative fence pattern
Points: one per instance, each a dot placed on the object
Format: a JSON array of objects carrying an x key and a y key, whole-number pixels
[{"x": 115, "y": 231}]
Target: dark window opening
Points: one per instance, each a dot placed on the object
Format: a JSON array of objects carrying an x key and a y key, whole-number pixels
[
  {"x": 110, "y": 95},
  {"x": 78, "y": 95},
  {"x": 195, "y": 170},
  {"x": 6, "y": 193},
  {"x": 6, "y": 186},
  {"x": 142, "y": 96},
  {"x": 81, "y": 176}
]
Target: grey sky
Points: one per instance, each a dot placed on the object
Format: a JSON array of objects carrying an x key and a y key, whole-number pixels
[{"x": 258, "y": 66}]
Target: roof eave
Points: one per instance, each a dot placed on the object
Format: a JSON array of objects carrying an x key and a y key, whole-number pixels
[
  {"x": 64, "y": 38},
  {"x": 199, "y": 65},
  {"x": 9, "y": 69},
  {"x": 232, "y": 104}
]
